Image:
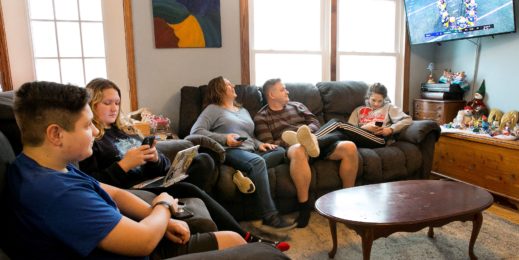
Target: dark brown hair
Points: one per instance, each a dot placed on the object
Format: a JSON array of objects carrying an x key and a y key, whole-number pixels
[
  {"x": 216, "y": 89},
  {"x": 380, "y": 89},
  {"x": 39, "y": 104}
]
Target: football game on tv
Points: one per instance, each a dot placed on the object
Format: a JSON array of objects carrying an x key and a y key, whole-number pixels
[{"x": 444, "y": 20}]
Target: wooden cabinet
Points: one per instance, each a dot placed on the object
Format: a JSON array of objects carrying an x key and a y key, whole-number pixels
[
  {"x": 482, "y": 161},
  {"x": 441, "y": 111}
]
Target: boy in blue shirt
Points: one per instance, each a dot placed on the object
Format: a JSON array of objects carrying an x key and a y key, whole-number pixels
[{"x": 56, "y": 211}]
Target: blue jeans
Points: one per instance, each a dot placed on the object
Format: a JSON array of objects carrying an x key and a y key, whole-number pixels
[{"x": 255, "y": 167}]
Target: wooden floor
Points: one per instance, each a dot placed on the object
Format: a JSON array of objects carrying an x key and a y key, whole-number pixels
[
  {"x": 502, "y": 207},
  {"x": 505, "y": 212}
]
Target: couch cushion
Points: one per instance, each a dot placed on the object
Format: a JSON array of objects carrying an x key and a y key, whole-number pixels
[
  {"x": 250, "y": 97},
  {"x": 340, "y": 98},
  {"x": 190, "y": 108},
  {"x": 389, "y": 163},
  {"x": 8, "y": 124},
  {"x": 307, "y": 94},
  {"x": 413, "y": 155},
  {"x": 6, "y": 157},
  {"x": 325, "y": 176}
]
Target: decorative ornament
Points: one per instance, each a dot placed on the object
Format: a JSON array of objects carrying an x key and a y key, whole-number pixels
[{"x": 481, "y": 90}]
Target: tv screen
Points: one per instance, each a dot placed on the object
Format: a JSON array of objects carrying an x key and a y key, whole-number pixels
[{"x": 445, "y": 20}]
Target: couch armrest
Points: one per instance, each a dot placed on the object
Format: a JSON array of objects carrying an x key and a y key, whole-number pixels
[
  {"x": 200, "y": 222},
  {"x": 418, "y": 130},
  {"x": 209, "y": 146},
  {"x": 241, "y": 252},
  {"x": 170, "y": 148}
]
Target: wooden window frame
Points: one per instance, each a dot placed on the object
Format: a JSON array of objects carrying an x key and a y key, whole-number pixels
[
  {"x": 5, "y": 69},
  {"x": 130, "y": 53},
  {"x": 245, "y": 50}
]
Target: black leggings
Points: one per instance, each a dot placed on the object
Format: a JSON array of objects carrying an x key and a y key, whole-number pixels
[{"x": 221, "y": 217}]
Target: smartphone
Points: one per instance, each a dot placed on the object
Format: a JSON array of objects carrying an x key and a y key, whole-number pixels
[
  {"x": 379, "y": 123},
  {"x": 182, "y": 213},
  {"x": 241, "y": 138},
  {"x": 149, "y": 140}
]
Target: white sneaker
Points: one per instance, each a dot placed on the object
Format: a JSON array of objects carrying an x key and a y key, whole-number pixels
[
  {"x": 244, "y": 184},
  {"x": 308, "y": 141},
  {"x": 289, "y": 137}
]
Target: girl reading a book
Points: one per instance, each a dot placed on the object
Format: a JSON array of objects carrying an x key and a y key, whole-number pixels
[
  {"x": 379, "y": 116},
  {"x": 369, "y": 126}
]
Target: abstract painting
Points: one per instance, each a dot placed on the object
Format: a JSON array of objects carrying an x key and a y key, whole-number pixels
[{"x": 187, "y": 23}]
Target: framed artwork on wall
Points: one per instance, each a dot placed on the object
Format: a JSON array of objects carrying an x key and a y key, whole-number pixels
[{"x": 187, "y": 23}]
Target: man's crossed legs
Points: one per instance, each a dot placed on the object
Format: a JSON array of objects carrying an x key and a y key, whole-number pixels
[{"x": 331, "y": 148}]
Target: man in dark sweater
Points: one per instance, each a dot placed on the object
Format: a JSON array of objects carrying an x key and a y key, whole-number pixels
[{"x": 281, "y": 115}]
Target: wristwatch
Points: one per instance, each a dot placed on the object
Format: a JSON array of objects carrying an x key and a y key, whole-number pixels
[{"x": 165, "y": 204}]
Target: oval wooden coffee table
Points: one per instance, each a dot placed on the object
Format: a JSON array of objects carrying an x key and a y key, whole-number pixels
[{"x": 380, "y": 210}]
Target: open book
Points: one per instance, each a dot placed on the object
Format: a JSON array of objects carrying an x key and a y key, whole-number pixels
[{"x": 177, "y": 170}]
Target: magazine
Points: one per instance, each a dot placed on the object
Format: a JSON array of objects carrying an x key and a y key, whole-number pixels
[{"x": 177, "y": 170}]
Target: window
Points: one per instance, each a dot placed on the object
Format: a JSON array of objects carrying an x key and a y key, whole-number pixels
[
  {"x": 370, "y": 42},
  {"x": 285, "y": 43},
  {"x": 294, "y": 40},
  {"x": 67, "y": 40}
]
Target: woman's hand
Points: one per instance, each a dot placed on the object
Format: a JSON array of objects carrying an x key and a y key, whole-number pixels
[
  {"x": 265, "y": 147},
  {"x": 136, "y": 157},
  {"x": 178, "y": 231},
  {"x": 153, "y": 152},
  {"x": 231, "y": 140}
]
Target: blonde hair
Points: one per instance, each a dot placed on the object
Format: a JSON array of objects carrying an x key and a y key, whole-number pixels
[
  {"x": 495, "y": 115},
  {"x": 510, "y": 118},
  {"x": 95, "y": 88}
]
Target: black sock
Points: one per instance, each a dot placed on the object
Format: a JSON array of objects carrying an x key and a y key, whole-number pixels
[{"x": 304, "y": 214}]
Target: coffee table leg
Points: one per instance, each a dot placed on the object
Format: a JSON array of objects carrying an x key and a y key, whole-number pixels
[
  {"x": 367, "y": 242},
  {"x": 333, "y": 230},
  {"x": 431, "y": 232},
  {"x": 476, "y": 226}
]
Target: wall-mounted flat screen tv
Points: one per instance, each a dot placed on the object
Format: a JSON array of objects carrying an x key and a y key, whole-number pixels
[{"x": 444, "y": 20}]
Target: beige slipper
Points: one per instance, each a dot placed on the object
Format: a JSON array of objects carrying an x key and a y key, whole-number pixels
[
  {"x": 308, "y": 141},
  {"x": 244, "y": 184},
  {"x": 289, "y": 137}
]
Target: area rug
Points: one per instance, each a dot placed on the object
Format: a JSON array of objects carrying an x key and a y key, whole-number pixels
[{"x": 498, "y": 239}]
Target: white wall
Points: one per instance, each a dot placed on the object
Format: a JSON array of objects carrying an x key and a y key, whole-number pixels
[
  {"x": 161, "y": 73},
  {"x": 421, "y": 56},
  {"x": 116, "y": 65},
  {"x": 498, "y": 66},
  {"x": 18, "y": 41}
]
